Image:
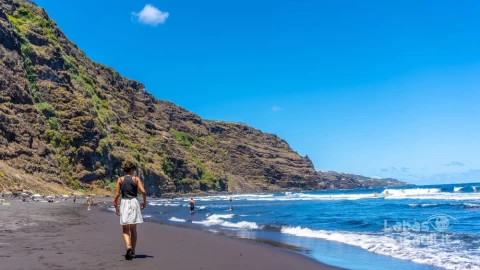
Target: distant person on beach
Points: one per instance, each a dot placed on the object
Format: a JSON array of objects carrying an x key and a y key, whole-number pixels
[
  {"x": 192, "y": 205},
  {"x": 129, "y": 211},
  {"x": 74, "y": 198},
  {"x": 89, "y": 201}
]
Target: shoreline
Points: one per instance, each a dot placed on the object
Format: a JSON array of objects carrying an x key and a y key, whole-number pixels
[
  {"x": 65, "y": 235},
  {"x": 324, "y": 250}
]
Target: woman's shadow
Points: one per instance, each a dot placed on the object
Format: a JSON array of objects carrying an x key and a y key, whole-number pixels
[{"x": 141, "y": 256}]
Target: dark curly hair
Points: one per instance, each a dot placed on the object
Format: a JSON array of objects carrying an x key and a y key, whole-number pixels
[{"x": 128, "y": 166}]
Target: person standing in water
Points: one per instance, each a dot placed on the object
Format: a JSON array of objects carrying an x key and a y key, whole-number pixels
[
  {"x": 192, "y": 206},
  {"x": 129, "y": 210}
]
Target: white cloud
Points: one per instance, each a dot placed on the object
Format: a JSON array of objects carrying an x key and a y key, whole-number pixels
[
  {"x": 151, "y": 15},
  {"x": 276, "y": 109}
]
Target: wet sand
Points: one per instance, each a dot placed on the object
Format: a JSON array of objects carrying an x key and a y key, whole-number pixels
[{"x": 35, "y": 235}]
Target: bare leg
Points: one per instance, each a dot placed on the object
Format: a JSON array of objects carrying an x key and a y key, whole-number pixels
[
  {"x": 126, "y": 235},
  {"x": 133, "y": 233}
]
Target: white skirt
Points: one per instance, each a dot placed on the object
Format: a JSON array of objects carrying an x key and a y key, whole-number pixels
[{"x": 130, "y": 212}]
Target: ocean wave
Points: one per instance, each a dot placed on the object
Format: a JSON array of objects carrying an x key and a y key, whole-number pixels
[
  {"x": 449, "y": 258},
  {"x": 465, "y": 189},
  {"x": 174, "y": 219},
  {"x": 471, "y": 205},
  {"x": 234, "y": 197},
  {"x": 471, "y": 193}
]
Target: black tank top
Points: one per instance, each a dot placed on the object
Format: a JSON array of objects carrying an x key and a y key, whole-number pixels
[{"x": 128, "y": 187}]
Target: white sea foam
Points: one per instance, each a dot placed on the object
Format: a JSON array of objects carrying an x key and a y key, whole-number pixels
[
  {"x": 439, "y": 196},
  {"x": 332, "y": 196},
  {"x": 457, "y": 189},
  {"x": 216, "y": 216},
  {"x": 163, "y": 204},
  {"x": 218, "y": 220},
  {"x": 176, "y": 219},
  {"x": 172, "y": 204},
  {"x": 202, "y": 207},
  {"x": 423, "y": 205},
  {"x": 147, "y": 216},
  {"x": 409, "y": 192},
  {"x": 241, "y": 225},
  {"x": 313, "y": 197},
  {"x": 450, "y": 256},
  {"x": 153, "y": 203}
]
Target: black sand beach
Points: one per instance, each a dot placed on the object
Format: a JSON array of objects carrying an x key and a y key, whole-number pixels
[{"x": 64, "y": 235}]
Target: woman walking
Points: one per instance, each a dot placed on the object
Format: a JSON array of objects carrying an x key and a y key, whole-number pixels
[{"x": 129, "y": 211}]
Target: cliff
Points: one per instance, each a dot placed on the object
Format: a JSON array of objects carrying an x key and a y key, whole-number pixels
[{"x": 67, "y": 123}]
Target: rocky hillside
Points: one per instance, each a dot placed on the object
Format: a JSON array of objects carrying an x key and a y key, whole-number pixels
[
  {"x": 335, "y": 180},
  {"x": 68, "y": 123}
]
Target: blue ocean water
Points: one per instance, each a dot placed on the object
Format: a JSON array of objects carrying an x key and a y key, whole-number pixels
[{"x": 421, "y": 227}]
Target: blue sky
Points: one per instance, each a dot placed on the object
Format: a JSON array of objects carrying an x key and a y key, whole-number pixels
[{"x": 380, "y": 88}]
